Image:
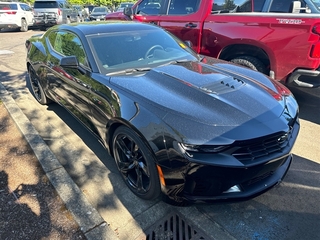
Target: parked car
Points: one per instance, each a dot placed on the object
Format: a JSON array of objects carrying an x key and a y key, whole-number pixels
[
  {"x": 89, "y": 8},
  {"x": 124, "y": 5},
  {"x": 50, "y": 13},
  {"x": 82, "y": 13},
  {"x": 98, "y": 13},
  {"x": 180, "y": 125},
  {"x": 16, "y": 15}
]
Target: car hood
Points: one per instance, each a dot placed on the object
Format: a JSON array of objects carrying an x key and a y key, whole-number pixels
[{"x": 193, "y": 96}]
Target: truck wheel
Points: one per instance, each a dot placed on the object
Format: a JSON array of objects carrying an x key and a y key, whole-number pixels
[
  {"x": 250, "y": 62},
  {"x": 24, "y": 26}
]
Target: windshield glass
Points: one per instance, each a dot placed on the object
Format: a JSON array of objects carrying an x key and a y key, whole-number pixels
[
  {"x": 123, "y": 5},
  {"x": 122, "y": 51},
  {"x": 45, "y": 4},
  {"x": 100, "y": 9}
]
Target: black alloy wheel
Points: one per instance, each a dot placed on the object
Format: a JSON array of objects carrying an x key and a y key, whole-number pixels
[
  {"x": 136, "y": 163},
  {"x": 37, "y": 88}
]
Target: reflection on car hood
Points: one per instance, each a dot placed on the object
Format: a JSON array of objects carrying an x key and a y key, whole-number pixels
[{"x": 206, "y": 97}]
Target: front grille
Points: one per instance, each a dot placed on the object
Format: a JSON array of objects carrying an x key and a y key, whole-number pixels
[{"x": 252, "y": 150}]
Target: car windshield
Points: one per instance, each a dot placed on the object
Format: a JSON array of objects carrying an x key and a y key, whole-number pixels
[
  {"x": 138, "y": 51},
  {"x": 123, "y": 5},
  {"x": 99, "y": 9},
  {"x": 8, "y": 6},
  {"x": 46, "y": 4}
]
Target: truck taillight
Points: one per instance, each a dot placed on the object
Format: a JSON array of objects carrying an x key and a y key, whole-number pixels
[
  {"x": 315, "y": 51},
  {"x": 59, "y": 12},
  {"x": 316, "y": 29}
]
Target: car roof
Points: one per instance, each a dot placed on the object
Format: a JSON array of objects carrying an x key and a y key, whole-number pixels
[{"x": 90, "y": 28}]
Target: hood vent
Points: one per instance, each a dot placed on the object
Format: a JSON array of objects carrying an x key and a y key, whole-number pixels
[{"x": 224, "y": 85}]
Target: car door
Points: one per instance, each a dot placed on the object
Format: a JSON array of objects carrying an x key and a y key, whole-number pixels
[
  {"x": 184, "y": 19},
  {"x": 28, "y": 14},
  {"x": 71, "y": 86}
]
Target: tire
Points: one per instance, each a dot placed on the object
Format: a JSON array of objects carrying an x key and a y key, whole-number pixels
[
  {"x": 136, "y": 164},
  {"x": 24, "y": 26},
  {"x": 250, "y": 62},
  {"x": 36, "y": 87}
]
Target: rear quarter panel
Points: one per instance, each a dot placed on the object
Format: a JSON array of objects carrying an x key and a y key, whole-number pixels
[{"x": 286, "y": 40}]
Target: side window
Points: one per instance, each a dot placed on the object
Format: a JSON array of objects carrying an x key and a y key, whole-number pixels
[
  {"x": 149, "y": 7},
  {"x": 283, "y": 6},
  {"x": 25, "y": 7},
  {"x": 183, "y": 7},
  {"x": 229, "y": 6},
  {"x": 60, "y": 5},
  {"x": 258, "y": 5},
  {"x": 52, "y": 38},
  {"x": 68, "y": 44},
  {"x": 13, "y": 6}
]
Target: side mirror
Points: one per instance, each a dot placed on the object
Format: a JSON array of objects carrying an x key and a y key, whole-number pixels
[
  {"x": 70, "y": 62},
  {"x": 188, "y": 43},
  {"x": 295, "y": 7},
  {"x": 127, "y": 11}
]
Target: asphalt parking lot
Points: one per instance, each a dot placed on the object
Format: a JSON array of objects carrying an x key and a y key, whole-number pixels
[{"x": 288, "y": 211}]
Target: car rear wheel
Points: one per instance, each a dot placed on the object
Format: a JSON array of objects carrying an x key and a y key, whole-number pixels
[
  {"x": 24, "y": 26},
  {"x": 250, "y": 62},
  {"x": 136, "y": 164},
  {"x": 36, "y": 87}
]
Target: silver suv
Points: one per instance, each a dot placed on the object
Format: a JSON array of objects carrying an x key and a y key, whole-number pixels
[
  {"x": 50, "y": 13},
  {"x": 16, "y": 15}
]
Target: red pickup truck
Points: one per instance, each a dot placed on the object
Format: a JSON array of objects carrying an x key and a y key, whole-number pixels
[{"x": 282, "y": 44}]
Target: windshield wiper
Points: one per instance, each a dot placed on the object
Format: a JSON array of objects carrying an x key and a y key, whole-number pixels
[{"x": 129, "y": 70}]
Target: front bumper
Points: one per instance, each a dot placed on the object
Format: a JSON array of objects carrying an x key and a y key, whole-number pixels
[
  {"x": 8, "y": 25},
  {"x": 305, "y": 78},
  {"x": 45, "y": 21},
  {"x": 248, "y": 171}
]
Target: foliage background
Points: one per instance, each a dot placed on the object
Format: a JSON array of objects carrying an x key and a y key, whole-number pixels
[{"x": 109, "y": 3}]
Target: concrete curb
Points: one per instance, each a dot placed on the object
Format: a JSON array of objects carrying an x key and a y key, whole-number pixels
[{"x": 89, "y": 220}]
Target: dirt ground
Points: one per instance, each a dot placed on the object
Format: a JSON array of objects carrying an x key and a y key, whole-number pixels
[{"x": 30, "y": 208}]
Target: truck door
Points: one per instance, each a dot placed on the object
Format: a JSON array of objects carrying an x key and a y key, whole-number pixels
[
  {"x": 184, "y": 18},
  {"x": 149, "y": 11}
]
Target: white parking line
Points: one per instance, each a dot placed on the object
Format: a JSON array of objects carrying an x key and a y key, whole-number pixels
[{"x": 2, "y": 52}]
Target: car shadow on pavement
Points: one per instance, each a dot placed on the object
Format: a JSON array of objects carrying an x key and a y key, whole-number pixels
[
  {"x": 289, "y": 210},
  {"x": 309, "y": 103},
  {"x": 28, "y": 225}
]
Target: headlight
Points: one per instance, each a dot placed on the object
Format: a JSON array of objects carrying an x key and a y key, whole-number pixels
[{"x": 203, "y": 148}]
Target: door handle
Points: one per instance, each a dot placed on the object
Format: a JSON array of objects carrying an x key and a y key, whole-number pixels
[
  {"x": 153, "y": 22},
  {"x": 191, "y": 25}
]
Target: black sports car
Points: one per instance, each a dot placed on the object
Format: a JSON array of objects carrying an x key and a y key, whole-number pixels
[{"x": 179, "y": 125}]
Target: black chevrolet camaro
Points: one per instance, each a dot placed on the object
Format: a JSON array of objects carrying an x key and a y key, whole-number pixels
[{"x": 179, "y": 125}]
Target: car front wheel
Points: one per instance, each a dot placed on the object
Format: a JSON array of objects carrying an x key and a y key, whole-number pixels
[
  {"x": 136, "y": 164},
  {"x": 36, "y": 87}
]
